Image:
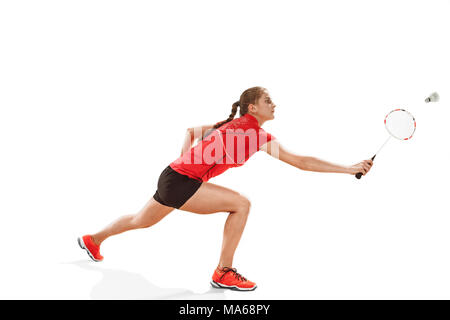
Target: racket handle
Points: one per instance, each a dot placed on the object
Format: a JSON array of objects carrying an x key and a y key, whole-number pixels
[{"x": 359, "y": 174}]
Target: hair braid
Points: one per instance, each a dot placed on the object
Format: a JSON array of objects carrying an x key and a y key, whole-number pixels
[
  {"x": 249, "y": 96},
  {"x": 230, "y": 117}
]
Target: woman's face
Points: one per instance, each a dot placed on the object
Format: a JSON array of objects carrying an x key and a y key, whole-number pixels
[{"x": 264, "y": 107}]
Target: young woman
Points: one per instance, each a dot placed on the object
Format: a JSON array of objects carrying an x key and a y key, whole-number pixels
[{"x": 184, "y": 183}]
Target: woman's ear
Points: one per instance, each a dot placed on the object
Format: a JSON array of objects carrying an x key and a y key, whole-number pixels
[{"x": 252, "y": 108}]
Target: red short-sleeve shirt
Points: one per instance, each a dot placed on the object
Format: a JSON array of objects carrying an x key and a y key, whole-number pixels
[{"x": 230, "y": 145}]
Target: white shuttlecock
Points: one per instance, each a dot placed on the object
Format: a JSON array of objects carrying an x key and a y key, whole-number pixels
[{"x": 434, "y": 97}]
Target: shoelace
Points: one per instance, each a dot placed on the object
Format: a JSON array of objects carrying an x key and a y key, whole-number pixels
[{"x": 233, "y": 270}]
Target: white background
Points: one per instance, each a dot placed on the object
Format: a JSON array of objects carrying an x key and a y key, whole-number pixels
[{"x": 95, "y": 97}]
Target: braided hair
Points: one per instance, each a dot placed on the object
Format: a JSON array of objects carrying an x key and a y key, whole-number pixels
[{"x": 249, "y": 96}]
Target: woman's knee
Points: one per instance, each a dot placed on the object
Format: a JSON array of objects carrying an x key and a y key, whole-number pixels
[
  {"x": 139, "y": 221},
  {"x": 244, "y": 204},
  {"x": 149, "y": 216}
]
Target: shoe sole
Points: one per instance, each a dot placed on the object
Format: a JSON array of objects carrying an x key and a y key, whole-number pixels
[
  {"x": 235, "y": 288},
  {"x": 83, "y": 246}
]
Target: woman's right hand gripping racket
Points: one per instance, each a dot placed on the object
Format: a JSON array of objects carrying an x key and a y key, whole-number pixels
[{"x": 401, "y": 125}]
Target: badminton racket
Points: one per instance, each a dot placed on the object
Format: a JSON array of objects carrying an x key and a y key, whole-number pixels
[{"x": 400, "y": 124}]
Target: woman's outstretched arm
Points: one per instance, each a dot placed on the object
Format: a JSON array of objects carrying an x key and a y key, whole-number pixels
[{"x": 307, "y": 163}]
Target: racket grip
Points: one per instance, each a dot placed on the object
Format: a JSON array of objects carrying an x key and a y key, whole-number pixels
[{"x": 359, "y": 174}]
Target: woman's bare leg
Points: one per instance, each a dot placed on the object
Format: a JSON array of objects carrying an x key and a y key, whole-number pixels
[
  {"x": 152, "y": 213},
  {"x": 211, "y": 198}
]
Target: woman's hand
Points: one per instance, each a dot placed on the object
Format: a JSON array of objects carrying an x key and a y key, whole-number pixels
[{"x": 363, "y": 167}]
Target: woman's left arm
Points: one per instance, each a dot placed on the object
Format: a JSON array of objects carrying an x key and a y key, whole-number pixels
[
  {"x": 192, "y": 134},
  {"x": 307, "y": 163}
]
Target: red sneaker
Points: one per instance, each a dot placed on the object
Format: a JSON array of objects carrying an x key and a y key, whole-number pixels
[
  {"x": 91, "y": 248},
  {"x": 228, "y": 278}
]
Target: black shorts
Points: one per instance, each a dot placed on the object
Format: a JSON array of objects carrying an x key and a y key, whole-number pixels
[{"x": 174, "y": 188}]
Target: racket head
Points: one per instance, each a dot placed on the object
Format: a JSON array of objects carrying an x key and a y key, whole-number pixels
[{"x": 400, "y": 124}]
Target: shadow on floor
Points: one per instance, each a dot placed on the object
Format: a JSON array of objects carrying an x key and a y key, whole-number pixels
[{"x": 124, "y": 285}]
